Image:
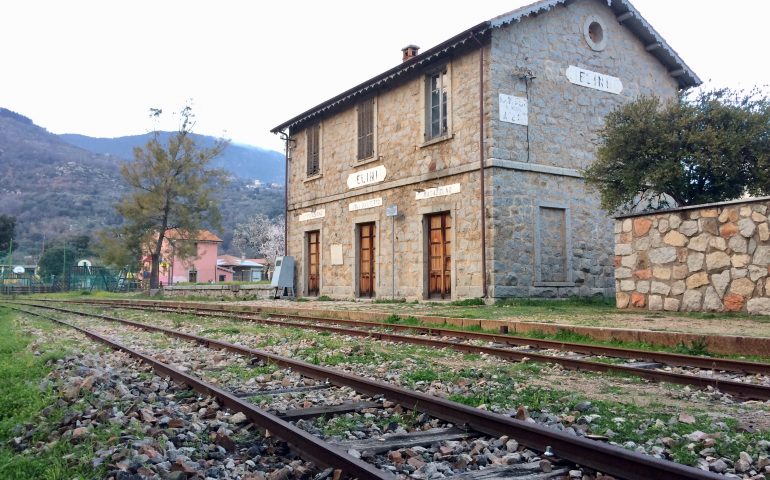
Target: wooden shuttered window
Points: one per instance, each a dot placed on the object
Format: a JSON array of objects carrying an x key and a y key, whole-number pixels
[
  {"x": 366, "y": 129},
  {"x": 313, "y": 150}
]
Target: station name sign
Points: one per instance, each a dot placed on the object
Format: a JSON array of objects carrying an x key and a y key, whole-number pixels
[
  {"x": 595, "y": 80},
  {"x": 364, "y": 204},
  {"x": 320, "y": 213},
  {"x": 366, "y": 177},
  {"x": 438, "y": 191}
]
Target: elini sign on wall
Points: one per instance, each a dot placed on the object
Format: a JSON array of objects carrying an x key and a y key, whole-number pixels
[
  {"x": 366, "y": 177},
  {"x": 595, "y": 80}
]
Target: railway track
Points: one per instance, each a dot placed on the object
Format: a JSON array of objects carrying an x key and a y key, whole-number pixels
[
  {"x": 700, "y": 372},
  {"x": 452, "y": 421}
]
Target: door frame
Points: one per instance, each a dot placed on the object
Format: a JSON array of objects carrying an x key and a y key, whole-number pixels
[
  {"x": 373, "y": 259},
  {"x": 452, "y": 209},
  {"x": 306, "y": 262},
  {"x": 355, "y": 265}
]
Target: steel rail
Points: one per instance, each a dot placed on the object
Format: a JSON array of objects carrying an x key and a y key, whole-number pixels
[
  {"x": 312, "y": 448},
  {"x": 603, "y": 457},
  {"x": 675, "y": 359},
  {"x": 739, "y": 389}
]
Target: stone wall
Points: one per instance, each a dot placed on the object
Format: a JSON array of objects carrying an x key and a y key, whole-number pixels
[
  {"x": 705, "y": 258},
  {"x": 247, "y": 291}
]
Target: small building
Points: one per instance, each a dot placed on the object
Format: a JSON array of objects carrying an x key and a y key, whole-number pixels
[
  {"x": 457, "y": 173},
  {"x": 244, "y": 269},
  {"x": 199, "y": 269}
]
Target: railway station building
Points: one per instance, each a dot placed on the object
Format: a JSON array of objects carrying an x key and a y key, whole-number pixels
[{"x": 457, "y": 173}]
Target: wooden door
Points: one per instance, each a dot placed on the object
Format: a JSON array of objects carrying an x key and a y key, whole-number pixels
[
  {"x": 313, "y": 262},
  {"x": 366, "y": 256},
  {"x": 440, "y": 252}
]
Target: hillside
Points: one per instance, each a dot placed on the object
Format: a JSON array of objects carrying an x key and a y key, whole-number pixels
[
  {"x": 56, "y": 189},
  {"x": 245, "y": 162}
]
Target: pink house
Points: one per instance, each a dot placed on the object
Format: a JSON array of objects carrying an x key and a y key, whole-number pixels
[{"x": 200, "y": 269}]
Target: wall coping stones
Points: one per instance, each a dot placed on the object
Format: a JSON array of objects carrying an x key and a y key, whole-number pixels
[{"x": 692, "y": 207}]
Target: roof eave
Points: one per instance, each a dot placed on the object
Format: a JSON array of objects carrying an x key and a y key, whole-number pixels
[{"x": 439, "y": 51}]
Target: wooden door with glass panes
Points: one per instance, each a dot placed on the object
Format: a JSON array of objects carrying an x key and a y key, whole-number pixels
[
  {"x": 366, "y": 256},
  {"x": 313, "y": 262},
  {"x": 440, "y": 252}
]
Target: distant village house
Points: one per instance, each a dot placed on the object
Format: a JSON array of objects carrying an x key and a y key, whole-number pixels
[{"x": 202, "y": 268}]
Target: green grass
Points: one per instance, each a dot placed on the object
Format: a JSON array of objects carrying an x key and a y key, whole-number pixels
[
  {"x": 468, "y": 302},
  {"x": 224, "y": 330},
  {"x": 21, "y": 401}
]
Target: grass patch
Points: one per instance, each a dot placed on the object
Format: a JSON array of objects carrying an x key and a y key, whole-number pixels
[
  {"x": 324, "y": 298},
  {"x": 21, "y": 402},
  {"x": 390, "y": 300},
  {"x": 696, "y": 347},
  {"x": 468, "y": 302},
  {"x": 223, "y": 330}
]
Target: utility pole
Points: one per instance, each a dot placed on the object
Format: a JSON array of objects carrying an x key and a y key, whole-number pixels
[{"x": 64, "y": 263}]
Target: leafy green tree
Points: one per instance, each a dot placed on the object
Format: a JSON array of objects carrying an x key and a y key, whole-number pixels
[
  {"x": 698, "y": 148},
  {"x": 171, "y": 186},
  {"x": 56, "y": 260},
  {"x": 7, "y": 233}
]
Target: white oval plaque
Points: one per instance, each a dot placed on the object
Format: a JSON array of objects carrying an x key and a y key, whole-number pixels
[
  {"x": 366, "y": 177},
  {"x": 595, "y": 80}
]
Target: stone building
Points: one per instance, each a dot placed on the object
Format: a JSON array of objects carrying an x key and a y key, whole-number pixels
[{"x": 520, "y": 97}]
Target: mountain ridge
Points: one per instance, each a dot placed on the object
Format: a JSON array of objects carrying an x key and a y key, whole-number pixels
[
  {"x": 247, "y": 162},
  {"x": 58, "y": 190}
]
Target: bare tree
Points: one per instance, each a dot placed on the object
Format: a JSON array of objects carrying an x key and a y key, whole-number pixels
[{"x": 264, "y": 235}]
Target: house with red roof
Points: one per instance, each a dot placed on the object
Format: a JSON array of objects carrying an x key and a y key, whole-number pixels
[{"x": 201, "y": 268}]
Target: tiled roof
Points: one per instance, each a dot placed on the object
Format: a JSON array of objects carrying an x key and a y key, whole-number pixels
[
  {"x": 232, "y": 260},
  {"x": 200, "y": 236}
]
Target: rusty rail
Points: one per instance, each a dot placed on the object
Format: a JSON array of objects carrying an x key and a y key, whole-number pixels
[
  {"x": 675, "y": 359},
  {"x": 738, "y": 389},
  {"x": 311, "y": 448},
  {"x": 603, "y": 457}
]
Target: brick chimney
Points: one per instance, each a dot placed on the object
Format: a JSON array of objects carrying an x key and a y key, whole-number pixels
[{"x": 409, "y": 52}]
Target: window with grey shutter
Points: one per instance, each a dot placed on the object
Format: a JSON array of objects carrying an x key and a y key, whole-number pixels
[
  {"x": 313, "y": 149},
  {"x": 366, "y": 129}
]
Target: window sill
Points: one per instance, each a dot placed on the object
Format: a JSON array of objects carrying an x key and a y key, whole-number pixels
[
  {"x": 554, "y": 284},
  {"x": 314, "y": 177},
  {"x": 367, "y": 161},
  {"x": 436, "y": 140}
]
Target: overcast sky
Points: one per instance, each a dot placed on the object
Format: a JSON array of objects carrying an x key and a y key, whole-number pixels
[{"x": 96, "y": 67}]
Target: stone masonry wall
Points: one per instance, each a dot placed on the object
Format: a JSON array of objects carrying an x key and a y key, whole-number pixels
[
  {"x": 411, "y": 164},
  {"x": 563, "y": 124},
  {"x": 711, "y": 258}
]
